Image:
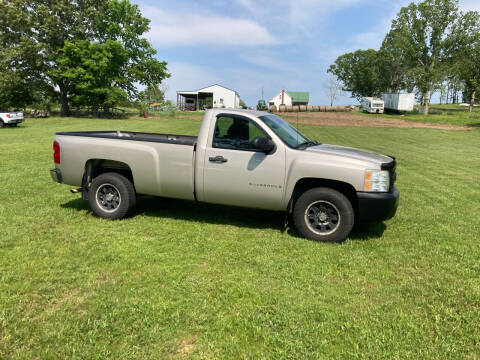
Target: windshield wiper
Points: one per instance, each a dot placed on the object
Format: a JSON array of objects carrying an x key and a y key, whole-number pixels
[{"x": 307, "y": 144}]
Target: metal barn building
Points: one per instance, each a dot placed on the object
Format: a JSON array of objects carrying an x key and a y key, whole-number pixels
[{"x": 214, "y": 96}]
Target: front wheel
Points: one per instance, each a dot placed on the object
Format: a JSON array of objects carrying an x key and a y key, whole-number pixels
[
  {"x": 323, "y": 214},
  {"x": 111, "y": 196}
]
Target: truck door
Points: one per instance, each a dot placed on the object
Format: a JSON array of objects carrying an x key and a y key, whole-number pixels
[{"x": 235, "y": 173}]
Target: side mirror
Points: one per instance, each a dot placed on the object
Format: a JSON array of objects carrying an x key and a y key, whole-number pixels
[{"x": 263, "y": 144}]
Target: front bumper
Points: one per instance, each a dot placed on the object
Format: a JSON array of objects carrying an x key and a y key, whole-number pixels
[
  {"x": 377, "y": 206},
  {"x": 56, "y": 175}
]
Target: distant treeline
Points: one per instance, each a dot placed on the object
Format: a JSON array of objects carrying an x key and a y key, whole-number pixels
[{"x": 431, "y": 47}]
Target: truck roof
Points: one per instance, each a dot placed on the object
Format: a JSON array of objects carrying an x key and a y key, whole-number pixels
[{"x": 256, "y": 113}]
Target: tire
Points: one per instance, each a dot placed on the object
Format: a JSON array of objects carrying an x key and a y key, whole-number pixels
[
  {"x": 1, "y": 124},
  {"x": 323, "y": 214},
  {"x": 111, "y": 196}
]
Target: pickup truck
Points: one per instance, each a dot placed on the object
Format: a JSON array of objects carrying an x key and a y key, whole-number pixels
[
  {"x": 241, "y": 158},
  {"x": 10, "y": 118}
]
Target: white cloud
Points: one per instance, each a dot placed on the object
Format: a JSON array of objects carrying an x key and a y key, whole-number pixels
[
  {"x": 189, "y": 77},
  {"x": 467, "y": 5},
  {"x": 179, "y": 28},
  {"x": 302, "y": 16}
]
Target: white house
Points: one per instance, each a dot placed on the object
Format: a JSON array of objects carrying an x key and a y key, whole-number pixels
[
  {"x": 290, "y": 98},
  {"x": 215, "y": 96}
]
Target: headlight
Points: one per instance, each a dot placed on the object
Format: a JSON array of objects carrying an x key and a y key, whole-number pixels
[{"x": 376, "y": 181}]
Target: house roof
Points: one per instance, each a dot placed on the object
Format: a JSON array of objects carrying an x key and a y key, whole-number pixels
[
  {"x": 299, "y": 96},
  {"x": 206, "y": 87}
]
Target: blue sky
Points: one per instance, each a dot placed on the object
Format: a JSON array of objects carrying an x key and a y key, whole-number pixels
[{"x": 246, "y": 44}]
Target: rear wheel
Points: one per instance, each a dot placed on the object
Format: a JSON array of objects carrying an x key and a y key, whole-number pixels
[
  {"x": 111, "y": 196},
  {"x": 1, "y": 124},
  {"x": 323, "y": 214}
]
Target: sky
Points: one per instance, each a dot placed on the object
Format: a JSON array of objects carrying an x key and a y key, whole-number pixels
[{"x": 247, "y": 45}]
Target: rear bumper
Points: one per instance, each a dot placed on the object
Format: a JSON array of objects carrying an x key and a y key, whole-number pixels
[
  {"x": 377, "y": 206},
  {"x": 56, "y": 175},
  {"x": 14, "y": 121}
]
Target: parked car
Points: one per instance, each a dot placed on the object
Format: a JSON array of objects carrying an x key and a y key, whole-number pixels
[
  {"x": 10, "y": 118},
  {"x": 242, "y": 158}
]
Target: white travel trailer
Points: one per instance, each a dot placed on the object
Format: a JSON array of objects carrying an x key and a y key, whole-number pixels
[
  {"x": 372, "y": 105},
  {"x": 399, "y": 102}
]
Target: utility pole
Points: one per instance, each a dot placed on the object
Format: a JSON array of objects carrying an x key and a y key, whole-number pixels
[{"x": 262, "y": 92}]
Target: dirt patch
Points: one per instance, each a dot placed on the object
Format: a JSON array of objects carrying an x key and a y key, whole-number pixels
[
  {"x": 350, "y": 119},
  {"x": 72, "y": 297},
  {"x": 187, "y": 345}
]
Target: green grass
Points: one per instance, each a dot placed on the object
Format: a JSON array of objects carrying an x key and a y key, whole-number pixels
[
  {"x": 187, "y": 280},
  {"x": 442, "y": 114}
]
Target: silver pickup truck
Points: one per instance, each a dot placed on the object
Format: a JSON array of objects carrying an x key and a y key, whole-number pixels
[{"x": 240, "y": 158}]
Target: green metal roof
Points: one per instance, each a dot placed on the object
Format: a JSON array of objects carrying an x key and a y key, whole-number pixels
[{"x": 299, "y": 96}]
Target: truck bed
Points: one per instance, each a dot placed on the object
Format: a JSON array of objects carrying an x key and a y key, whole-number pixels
[{"x": 136, "y": 136}]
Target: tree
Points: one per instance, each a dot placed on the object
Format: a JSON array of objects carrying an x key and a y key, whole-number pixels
[
  {"x": 359, "y": 72},
  {"x": 333, "y": 89},
  {"x": 93, "y": 72},
  {"x": 423, "y": 33},
  {"x": 38, "y": 31},
  {"x": 465, "y": 47},
  {"x": 152, "y": 94},
  {"x": 394, "y": 66}
]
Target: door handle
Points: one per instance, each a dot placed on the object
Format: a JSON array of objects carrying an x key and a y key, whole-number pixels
[{"x": 217, "y": 159}]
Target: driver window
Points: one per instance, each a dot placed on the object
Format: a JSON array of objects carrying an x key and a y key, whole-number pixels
[{"x": 235, "y": 133}]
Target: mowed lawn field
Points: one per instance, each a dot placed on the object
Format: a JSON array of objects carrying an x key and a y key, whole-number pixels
[{"x": 185, "y": 280}]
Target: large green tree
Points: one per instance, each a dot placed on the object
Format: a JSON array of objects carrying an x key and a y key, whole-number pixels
[
  {"x": 465, "y": 49},
  {"x": 360, "y": 73},
  {"x": 39, "y": 33},
  {"x": 423, "y": 34},
  {"x": 94, "y": 72}
]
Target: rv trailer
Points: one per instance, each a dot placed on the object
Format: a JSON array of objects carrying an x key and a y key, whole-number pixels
[{"x": 372, "y": 105}]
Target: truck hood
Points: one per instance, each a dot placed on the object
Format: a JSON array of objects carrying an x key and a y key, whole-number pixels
[{"x": 353, "y": 153}]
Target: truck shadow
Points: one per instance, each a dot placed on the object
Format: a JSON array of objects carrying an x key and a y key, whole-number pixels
[{"x": 222, "y": 215}]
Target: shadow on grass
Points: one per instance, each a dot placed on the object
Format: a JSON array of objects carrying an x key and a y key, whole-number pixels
[
  {"x": 199, "y": 212},
  {"x": 477, "y": 124},
  {"x": 223, "y": 215}
]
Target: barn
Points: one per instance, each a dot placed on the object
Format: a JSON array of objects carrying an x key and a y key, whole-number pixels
[
  {"x": 290, "y": 98},
  {"x": 214, "y": 96}
]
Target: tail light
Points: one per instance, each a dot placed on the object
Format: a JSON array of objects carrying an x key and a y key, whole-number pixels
[
  {"x": 8, "y": 116},
  {"x": 56, "y": 152}
]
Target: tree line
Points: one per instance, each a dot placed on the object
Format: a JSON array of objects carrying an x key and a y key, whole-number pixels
[
  {"x": 89, "y": 53},
  {"x": 431, "y": 46}
]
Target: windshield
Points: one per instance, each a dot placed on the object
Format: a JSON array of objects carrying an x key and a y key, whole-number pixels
[{"x": 284, "y": 130}]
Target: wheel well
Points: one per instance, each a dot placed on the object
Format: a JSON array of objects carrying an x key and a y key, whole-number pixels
[
  {"x": 96, "y": 167},
  {"x": 306, "y": 184}
]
